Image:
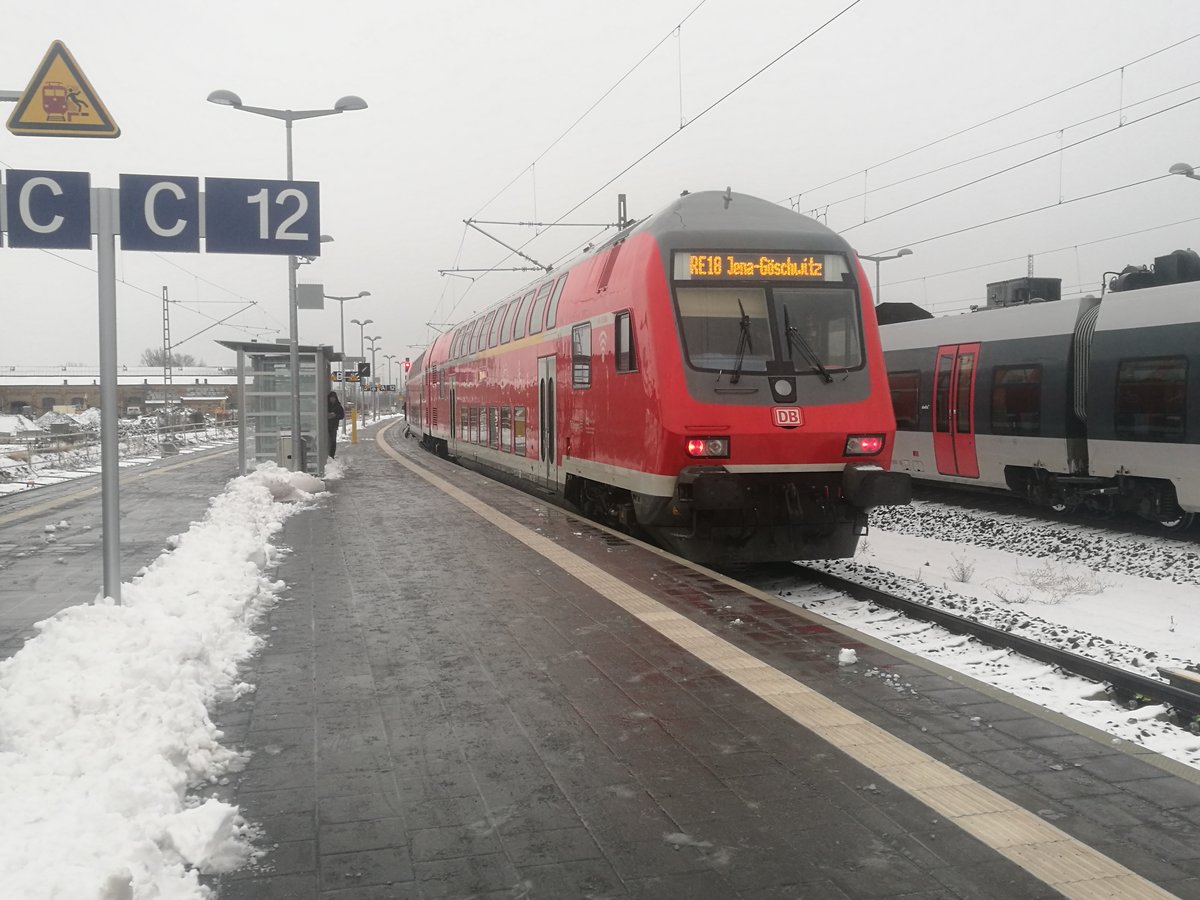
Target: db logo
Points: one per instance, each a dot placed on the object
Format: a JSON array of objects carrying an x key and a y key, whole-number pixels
[{"x": 787, "y": 416}]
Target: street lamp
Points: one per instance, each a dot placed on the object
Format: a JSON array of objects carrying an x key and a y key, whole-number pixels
[
  {"x": 1184, "y": 169},
  {"x": 342, "y": 318},
  {"x": 362, "y": 353},
  {"x": 877, "y": 260},
  {"x": 389, "y": 357},
  {"x": 374, "y": 378},
  {"x": 345, "y": 104}
]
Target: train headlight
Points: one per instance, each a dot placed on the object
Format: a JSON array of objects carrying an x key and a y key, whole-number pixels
[
  {"x": 863, "y": 444},
  {"x": 708, "y": 447}
]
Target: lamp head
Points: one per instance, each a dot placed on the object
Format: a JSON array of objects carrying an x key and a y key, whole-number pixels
[
  {"x": 903, "y": 252},
  {"x": 364, "y": 293},
  {"x": 1182, "y": 169},
  {"x": 225, "y": 98},
  {"x": 349, "y": 103}
]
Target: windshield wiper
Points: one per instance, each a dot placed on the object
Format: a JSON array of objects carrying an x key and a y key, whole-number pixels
[
  {"x": 796, "y": 340},
  {"x": 744, "y": 344}
]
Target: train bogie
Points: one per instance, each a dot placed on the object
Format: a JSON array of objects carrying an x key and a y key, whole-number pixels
[{"x": 711, "y": 378}]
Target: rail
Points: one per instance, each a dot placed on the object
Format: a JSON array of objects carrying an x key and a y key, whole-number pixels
[{"x": 1181, "y": 694}]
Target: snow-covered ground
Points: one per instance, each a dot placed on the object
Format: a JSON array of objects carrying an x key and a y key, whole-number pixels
[
  {"x": 104, "y": 715},
  {"x": 1129, "y": 601}
]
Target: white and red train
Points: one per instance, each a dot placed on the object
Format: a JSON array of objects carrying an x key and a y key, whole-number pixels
[
  {"x": 1091, "y": 403},
  {"x": 710, "y": 377}
]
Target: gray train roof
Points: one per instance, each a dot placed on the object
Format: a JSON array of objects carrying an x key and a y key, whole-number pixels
[
  {"x": 704, "y": 220},
  {"x": 1168, "y": 304},
  {"x": 1035, "y": 320}
]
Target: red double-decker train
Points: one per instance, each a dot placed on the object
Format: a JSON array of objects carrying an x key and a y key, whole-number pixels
[{"x": 711, "y": 377}]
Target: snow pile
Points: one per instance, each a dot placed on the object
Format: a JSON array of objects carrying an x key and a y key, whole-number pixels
[{"x": 104, "y": 721}]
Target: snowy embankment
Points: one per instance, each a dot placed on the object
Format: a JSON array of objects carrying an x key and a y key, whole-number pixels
[
  {"x": 1124, "y": 600},
  {"x": 104, "y": 715}
]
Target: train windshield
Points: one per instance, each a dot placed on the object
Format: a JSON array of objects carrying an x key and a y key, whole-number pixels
[{"x": 741, "y": 329}]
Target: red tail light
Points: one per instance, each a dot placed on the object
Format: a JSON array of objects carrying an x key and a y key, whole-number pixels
[
  {"x": 708, "y": 447},
  {"x": 863, "y": 444}
]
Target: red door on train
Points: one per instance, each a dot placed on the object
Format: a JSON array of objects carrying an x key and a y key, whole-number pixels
[{"x": 954, "y": 410}]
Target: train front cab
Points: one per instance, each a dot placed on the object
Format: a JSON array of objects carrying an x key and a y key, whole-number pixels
[{"x": 792, "y": 370}]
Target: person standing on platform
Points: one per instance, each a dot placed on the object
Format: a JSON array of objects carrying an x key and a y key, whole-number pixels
[{"x": 335, "y": 416}]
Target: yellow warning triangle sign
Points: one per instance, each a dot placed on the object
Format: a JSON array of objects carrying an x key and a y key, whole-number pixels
[{"x": 60, "y": 102}]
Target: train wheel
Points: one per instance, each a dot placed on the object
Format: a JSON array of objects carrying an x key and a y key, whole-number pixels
[{"x": 1180, "y": 522}]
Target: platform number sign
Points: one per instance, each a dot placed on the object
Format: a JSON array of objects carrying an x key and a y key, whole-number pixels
[{"x": 274, "y": 217}]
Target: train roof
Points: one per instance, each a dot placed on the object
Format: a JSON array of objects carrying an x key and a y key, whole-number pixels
[
  {"x": 996, "y": 324},
  {"x": 731, "y": 221}
]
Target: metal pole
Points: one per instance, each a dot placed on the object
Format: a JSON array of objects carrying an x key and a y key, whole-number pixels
[
  {"x": 374, "y": 385},
  {"x": 876, "y": 282},
  {"x": 110, "y": 456},
  {"x": 342, "y": 316},
  {"x": 294, "y": 327}
]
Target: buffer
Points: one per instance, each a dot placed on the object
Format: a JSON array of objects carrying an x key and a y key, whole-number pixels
[{"x": 60, "y": 102}]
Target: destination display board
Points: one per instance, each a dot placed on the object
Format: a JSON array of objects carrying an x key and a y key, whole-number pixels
[{"x": 695, "y": 266}]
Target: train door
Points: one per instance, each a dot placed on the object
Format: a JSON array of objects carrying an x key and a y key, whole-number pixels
[
  {"x": 547, "y": 442},
  {"x": 954, "y": 410},
  {"x": 453, "y": 423}
]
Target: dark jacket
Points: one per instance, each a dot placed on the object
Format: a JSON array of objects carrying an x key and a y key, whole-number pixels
[{"x": 336, "y": 413}]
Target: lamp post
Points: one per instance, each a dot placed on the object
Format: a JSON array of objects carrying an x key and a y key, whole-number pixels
[
  {"x": 361, "y": 323},
  {"x": 389, "y": 357},
  {"x": 342, "y": 319},
  {"x": 878, "y": 259},
  {"x": 1185, "y": 170},
  {"x": 345, "y": 104},
  {"x": 374, "y": 379}
]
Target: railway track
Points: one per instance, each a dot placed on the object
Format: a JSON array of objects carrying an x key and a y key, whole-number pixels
[{"x": 1178, "y": 689}]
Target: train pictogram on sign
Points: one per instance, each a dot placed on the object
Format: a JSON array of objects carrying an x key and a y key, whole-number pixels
[{"x": 60, "y": 102}]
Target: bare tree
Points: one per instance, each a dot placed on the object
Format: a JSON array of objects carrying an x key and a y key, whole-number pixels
[{"x": 154, "y": 356}]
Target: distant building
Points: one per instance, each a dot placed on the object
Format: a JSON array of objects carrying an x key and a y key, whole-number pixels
[{"x": 141, "y": 390}]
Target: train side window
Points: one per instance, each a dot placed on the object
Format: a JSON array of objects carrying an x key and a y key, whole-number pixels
[
  {"x": 945, "y": 364},
  {"x": 486, "y": 334},
  {"x": 506, "y": 443},
  {"x": 905, "y": 388},
  {"x": 522, "y": 315},
  {"x": 963, "y": 416},
  {"x": 552, "y": 309},
  {"x": 581, "y": 355},
  {"x": 465, "y": 430},
  {"x": 498, "y": 328},
  {"x": 1152, "y": 399},
  {"x": 494, "y": 427},
  {"x": 454, "y": 343},
  {"x": 519, "y": 430},
  {"x": 1017, "y": 400},
  {"x": 624, "y": 357},
  {"x": 538, "y": 316},
  {"x": 510, "y": 320}
]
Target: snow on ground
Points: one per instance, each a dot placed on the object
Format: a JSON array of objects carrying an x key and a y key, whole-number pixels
[
  {"x": 1128, "y": 601},
  {"x": 104, "y": 718}
]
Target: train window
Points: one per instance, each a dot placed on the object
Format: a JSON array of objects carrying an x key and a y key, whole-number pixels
[
  {"x": 519, "y": 430},
  {"x": 473, "y": 426},
  {"x": 1017, "y": 400},
  {"x": 624, "y": 356},
  {"x": 494, "y": 427},
  {"x": 725, "y": 328},
  {"x": 522, "y": 315},
  {"x": 827, "y": 320},
  {"x": 1152, "y": 399},
  {"x": 962, "y": 401},
  {"x": 581, "y": 355},
  {"x": 476, "y": 331},
  {"x": 510, "y": 319},
  {"x": 538, "y": 316},
  {"x": 905, "y": 388},
  {"x": 464, "y": 430},
  {"x": 497, "y": 326},
  {"x": 506, "y": 443},
  {"x": 441, "y": 383},
  {"x": 942, "y": 423},
  {"x": 487, "y": 337},
  {"x": 552, "y": 309}
]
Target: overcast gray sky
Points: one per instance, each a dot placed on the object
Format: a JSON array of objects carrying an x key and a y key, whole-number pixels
[{"x": 468, "y": 102}]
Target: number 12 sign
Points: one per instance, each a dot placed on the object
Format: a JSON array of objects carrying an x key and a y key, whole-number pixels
[{"x": 245, "y": 215}]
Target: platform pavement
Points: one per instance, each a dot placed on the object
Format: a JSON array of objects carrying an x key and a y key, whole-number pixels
[{"x": 440, "y": 712}]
